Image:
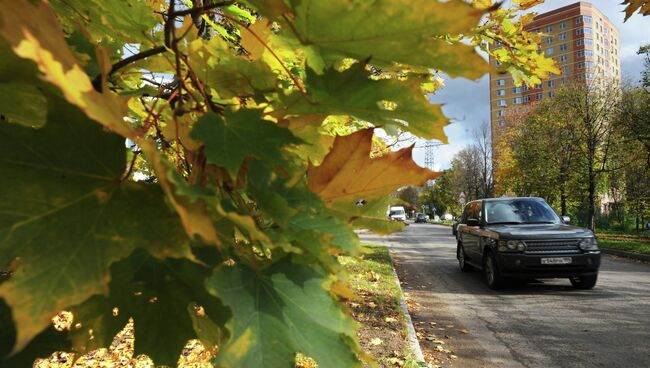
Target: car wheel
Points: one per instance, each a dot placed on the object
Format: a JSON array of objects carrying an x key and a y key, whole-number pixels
[
  {"x": 584, "y": 282},
  {"x": 494, "y": 280},
  {"x": 460, "y": 254}
]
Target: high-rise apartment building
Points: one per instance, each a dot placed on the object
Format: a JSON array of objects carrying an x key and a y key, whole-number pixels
[{"x": 585, "y": 45}]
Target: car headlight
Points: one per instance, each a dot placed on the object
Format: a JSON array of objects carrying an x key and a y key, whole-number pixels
[
  {"x": 511, "y": 246},
  {"x": 589, "y": 244}
]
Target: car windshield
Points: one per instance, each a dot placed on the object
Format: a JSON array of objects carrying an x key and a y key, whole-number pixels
[
  {"x": 421, "y": 215},
  {"x": 519, "y": 211},
  {"x": 396, "y": 212}
]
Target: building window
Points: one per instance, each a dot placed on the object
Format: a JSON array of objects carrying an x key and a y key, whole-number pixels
[
  {"x": 551, "y": 83},
  {"x": 549, "y": 51},
  {"x": 527, "y": 98},
  {"x": 588, "y": 30},
  {"x": 580, "y": 53},
  {"x": 517, "y": 100},
  {"x": 589, "y": 53},
  {"x": 502, "y": 103},
  {"x": 606, "y": 42},
  {"x": 590, "y": 76},
  {"x": 538, "y": 85},
  {"x": 563, "y": 59},
  {"x": 501, "y": 113},
  {"x": 583, "y": 19},
  {"x": 589, "y": 64},
  {"x": 562, "y": 36},
  {"x": 606, "y": 31},
  {"x": 581, "y": 65},
  {"x": 563, "y": 25},
  {"x": 516, "y": 89},
  {"x": 502, "y": 123},
  {"x": 551, "y": 94},
  {"x": 538, "y": 96},
  {"x": 579, "y": 31},
  {"x": 501, "y": 92},
  {"x": 501, "y": 82},
  {"x": 584, "y": 41},
  {"x": 563, "y": 47},
  {"x": 565, "y": 69},
  {"x": 563, "y": 80},
  {"x": 549, "y": 40},
  {"x": 549, "y": 29}
]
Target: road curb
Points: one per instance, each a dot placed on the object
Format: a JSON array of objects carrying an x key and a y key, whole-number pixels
[
  {"x": 622, "y": 253},
  {"x": 410, "y": 329}
]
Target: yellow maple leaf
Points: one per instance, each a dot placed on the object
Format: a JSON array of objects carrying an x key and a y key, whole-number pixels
[
  {"x": 349, "y": 174},
  {"x": 527, "y": 4},
  {"x": 34, "y": 33}
]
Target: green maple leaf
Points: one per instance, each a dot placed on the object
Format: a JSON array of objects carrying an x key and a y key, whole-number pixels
[
  {"x": 369, "y": 215},
  {"x": 112, "y": 21},
  {"x": 228, "y": 74},
  {"x": 23, "y": 104},
  {"x": 388, "y": 32},
  {"x": 65, "y": 216},
  {"x": 238, "y": 135},
  {"x": 353, "y": 93},
  {"x": 167, "y": 301},
  {"x": 278, "y": 312}
]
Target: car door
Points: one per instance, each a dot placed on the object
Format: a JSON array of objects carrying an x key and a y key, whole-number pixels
[{"x": 469, "y": 236}]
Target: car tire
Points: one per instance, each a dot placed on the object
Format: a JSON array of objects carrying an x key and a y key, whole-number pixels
[
  {"x": 460, "y": 255},
  {"x": 584, "y": 282},
  {"x": 491, "y": 270}
]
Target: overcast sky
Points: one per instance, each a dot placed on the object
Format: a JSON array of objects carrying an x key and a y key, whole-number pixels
[{"x": 467, "y": 103}]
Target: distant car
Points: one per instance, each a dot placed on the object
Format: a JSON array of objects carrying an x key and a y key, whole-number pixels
[
  {"x": 524, "y": 238},
  {"x": 397, "y": 213},
  {"x": 421, "y": 217}
]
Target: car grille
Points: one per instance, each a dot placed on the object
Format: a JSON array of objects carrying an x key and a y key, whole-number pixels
[{"x": 553, "y": 246}]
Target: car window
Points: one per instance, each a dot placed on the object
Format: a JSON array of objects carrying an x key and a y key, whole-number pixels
[{"x": 519, "y": 211}]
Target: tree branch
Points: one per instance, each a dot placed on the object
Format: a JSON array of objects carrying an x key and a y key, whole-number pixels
[
  {"x": 200, "y": 9},
  {"x": 126, "y": 61}
]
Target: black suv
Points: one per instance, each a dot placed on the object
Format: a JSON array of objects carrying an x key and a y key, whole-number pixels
[{"x": 524, "y": 238}]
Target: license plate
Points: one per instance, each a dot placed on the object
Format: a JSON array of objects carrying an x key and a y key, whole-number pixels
[{"x": 556, "y": 260}]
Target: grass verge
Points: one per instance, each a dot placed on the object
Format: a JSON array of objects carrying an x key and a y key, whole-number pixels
[
  {"x": 626, "y": 245},
  {"x": 631, "y": 241},
  {"x": 377, "y": 308}
]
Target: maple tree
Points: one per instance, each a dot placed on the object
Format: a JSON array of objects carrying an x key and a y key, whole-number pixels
[{"x": 196, "y": 166}]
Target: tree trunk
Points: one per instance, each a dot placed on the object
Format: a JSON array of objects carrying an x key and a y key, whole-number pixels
[
  {"x": 563, "y": 201},
  {"x": 591, "y": 211}
]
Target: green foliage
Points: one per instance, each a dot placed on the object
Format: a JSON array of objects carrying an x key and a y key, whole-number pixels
[
  {"x": 198, "y": 170},
  {"x": 273, "y": 321}
]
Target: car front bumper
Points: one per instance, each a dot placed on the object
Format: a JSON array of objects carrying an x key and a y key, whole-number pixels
[{"x": 530, "y": 265}]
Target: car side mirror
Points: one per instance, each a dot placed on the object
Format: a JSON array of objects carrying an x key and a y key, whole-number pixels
[
  {"x": 473, "y": 222},
  {"x": 566, "y": 219}
]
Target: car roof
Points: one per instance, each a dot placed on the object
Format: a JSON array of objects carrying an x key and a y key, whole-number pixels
[{"x": 507, "y": 199}]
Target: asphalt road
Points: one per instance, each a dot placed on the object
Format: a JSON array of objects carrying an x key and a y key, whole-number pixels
[{"x": 544, "y": 324}]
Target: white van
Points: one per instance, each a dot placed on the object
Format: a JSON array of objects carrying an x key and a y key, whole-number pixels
[{"x": 397, "y": 213}]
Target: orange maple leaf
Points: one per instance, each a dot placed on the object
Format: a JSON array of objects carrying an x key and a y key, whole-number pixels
[{"x": 349, "y": 174}]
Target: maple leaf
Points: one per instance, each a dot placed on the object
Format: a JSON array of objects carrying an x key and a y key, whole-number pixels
[
  {"x": 349, "y": 174},
  {"x": 643, "y": 6}
]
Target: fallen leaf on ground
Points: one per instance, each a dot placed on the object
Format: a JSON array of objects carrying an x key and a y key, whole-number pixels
[
  {"x": 390, "y": 319},
  {"x": 376, "y": 341},
  {"x": 464, "y": 331}
]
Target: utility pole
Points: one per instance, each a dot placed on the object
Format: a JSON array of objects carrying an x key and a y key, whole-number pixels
[{"x": 429, "y": 147}]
